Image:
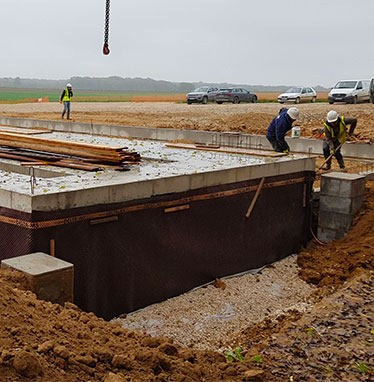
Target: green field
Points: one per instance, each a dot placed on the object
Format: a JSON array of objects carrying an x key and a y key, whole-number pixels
[{"x": 15, "y": 95}]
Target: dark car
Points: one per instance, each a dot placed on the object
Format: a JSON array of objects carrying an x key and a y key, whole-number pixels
[{"x": 235, "y": 95}]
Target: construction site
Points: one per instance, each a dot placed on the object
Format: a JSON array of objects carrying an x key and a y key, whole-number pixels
[{"x": 159, "y": 242}]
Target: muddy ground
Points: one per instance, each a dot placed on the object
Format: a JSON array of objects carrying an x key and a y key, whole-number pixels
[{"x": 332, "y": 341}]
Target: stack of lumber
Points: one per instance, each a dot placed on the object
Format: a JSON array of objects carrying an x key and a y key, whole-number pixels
[{"x": 72, "y": 154}]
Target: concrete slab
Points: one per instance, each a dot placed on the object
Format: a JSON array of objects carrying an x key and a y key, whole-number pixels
[
  {"x": 162, "y": 170},
  {"x": 342, "y": 184},
  {"x": 36, "y": 264},
  {"x": 51, "y": 279}
]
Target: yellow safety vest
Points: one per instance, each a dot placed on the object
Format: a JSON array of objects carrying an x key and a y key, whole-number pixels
[
  {"x": 66, "y": 96},
  {"x": 342, "y": 134}
]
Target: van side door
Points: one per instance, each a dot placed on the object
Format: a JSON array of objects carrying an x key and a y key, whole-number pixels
[{"x": 360, "y": 91}]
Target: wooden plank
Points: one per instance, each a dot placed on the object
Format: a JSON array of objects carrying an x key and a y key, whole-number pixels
[
  {"x": 178, "y": 208},
  {"x": 12, "y": 137},
  {"x": 61, "y": 150},
  {"x": 254, "y": 200},
  {"x": 227, "y": 150},
  {"x": 21, "y": 130},
  {"x": 34, "y": 163}
]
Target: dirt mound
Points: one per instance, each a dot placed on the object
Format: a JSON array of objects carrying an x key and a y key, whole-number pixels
[
  {"x": 54, "y": 343},
  {"x": 335, "y": 262},
  {"x": 332, "y": 342}
]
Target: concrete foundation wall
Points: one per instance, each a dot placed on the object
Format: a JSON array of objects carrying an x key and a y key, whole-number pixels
[
  {"x": 142, "y": 252},
  {"x": 302, "y": 145}
]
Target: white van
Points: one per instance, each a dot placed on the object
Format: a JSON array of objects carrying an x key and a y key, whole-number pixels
[{"x": 350, "y": 91}]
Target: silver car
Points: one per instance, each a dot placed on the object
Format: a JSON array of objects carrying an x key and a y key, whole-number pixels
[
  {"x": 202, "y": 95},
  {"x": 298, "y": 94}
]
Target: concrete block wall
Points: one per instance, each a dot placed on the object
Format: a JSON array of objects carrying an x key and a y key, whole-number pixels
[{"x": 341, "y": 197}]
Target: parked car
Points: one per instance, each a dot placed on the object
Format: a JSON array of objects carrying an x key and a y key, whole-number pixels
[
  {"x": 298, "y": 94},
  {"x": 235, "y": 95},
  {"x": 202, "y": 95},
  {"x": 350, "y": 91}
]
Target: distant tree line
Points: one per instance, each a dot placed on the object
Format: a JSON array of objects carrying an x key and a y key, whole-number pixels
[{"x": 119, "y": 84}]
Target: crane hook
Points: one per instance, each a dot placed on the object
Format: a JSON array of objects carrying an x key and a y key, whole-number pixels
[{"x": 106, "y": 50}]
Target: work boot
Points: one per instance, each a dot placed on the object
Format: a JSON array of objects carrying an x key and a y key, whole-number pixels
[
  {"x": 341, "y": 164},
  {"x": 327, "y": 166}
]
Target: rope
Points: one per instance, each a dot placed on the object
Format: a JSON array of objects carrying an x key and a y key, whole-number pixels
[{"x": 106, "y": 50}]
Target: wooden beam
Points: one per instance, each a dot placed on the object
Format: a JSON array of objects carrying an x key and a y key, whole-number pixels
[{"x": 254, "y": 200}]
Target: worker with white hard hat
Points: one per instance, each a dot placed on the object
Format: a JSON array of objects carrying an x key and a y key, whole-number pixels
[
  {"x": 66, "y": 96},
  {"x": 279, "y": 127},
  {"x": 335, "y": 135}
]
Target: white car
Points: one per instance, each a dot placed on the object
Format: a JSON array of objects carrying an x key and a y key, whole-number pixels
[
  {"x": 350, "y": 91},
  {"x": 298, "y": 94}
]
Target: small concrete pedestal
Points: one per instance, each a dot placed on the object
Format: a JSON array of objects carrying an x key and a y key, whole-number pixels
[
  {"x": 49, "y": 278},
  {"x": 341, "y": 197}
]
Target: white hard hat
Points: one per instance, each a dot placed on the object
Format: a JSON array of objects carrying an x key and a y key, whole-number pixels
[
  {"x": 332, "y": 116},
  {"x": 68, "y": 85},
  {"x": 294, "y": 113}
]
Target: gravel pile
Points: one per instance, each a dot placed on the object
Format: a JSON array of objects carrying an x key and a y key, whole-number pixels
[{"x": 206, "y": 318}]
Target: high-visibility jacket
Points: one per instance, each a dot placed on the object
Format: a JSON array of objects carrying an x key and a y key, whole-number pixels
[
  {"x": 66, "y": 96},
  {"x": 340, "y": 135}
]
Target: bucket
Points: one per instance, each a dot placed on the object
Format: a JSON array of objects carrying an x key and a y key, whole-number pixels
[{"x": 295, "y": 132}]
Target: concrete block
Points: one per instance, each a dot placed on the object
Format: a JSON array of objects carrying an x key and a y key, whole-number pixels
[
  {"x": 340, "y": 205},
  {"x": 327, "y": 235},
  {"x": 51, "y": 279},
  {"x": 343, "y": 184},
  {"x": 335, "y": 221}
]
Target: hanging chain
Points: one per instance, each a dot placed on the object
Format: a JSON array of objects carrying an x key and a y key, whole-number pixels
[{"x": 106, "y": 29}]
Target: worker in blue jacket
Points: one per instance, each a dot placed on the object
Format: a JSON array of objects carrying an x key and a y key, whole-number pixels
[{"x": 279, "y": 127}]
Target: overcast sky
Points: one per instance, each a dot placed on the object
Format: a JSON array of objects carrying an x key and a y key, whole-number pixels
[{"x": 268, "y": 42}]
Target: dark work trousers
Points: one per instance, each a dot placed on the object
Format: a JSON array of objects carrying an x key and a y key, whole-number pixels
[
  {"x": 279, "y": 146},
  {"x": 326, "y": 151}
]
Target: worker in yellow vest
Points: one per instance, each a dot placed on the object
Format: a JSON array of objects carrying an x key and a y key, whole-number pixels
[
  {"x": 336, "y": 134},
  {"x": 65, "y": 98}
]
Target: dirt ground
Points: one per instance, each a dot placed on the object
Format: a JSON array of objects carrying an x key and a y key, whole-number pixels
[
  {"x": 333, "y": 340},
  {"x": 246, "y": 118}
]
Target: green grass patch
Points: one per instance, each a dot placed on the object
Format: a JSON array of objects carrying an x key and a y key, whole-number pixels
[{"x": 25, "y": 95}]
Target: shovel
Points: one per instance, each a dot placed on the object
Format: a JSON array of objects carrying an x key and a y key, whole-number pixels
[{"x": 330, "y": 156}]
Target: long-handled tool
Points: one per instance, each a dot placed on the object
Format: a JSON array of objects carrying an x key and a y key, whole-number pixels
[{"x": 330, "y": 156}]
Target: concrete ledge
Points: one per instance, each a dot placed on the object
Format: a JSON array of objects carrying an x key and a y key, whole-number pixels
[
  {"x": 302, "y": 145},
  {"x": 343, "y": 184},
  {"x": 51, "y": 279}
]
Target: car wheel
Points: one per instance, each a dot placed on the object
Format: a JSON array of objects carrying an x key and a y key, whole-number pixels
[
  {"x": 254, "y": 99},
  {"x": 297, "y": 100},
  {"x": 331, "y": 102},
  {"x": 205, "y": 100},
  {"x": 219, "y": 102},
  {"x": 314, "y": 99},
  {"x": 235, "y": 100},
  {"x": 281, "y": 102},
  {"x": 189, "y": 102},
  {"x": 354, "y": 100}
]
